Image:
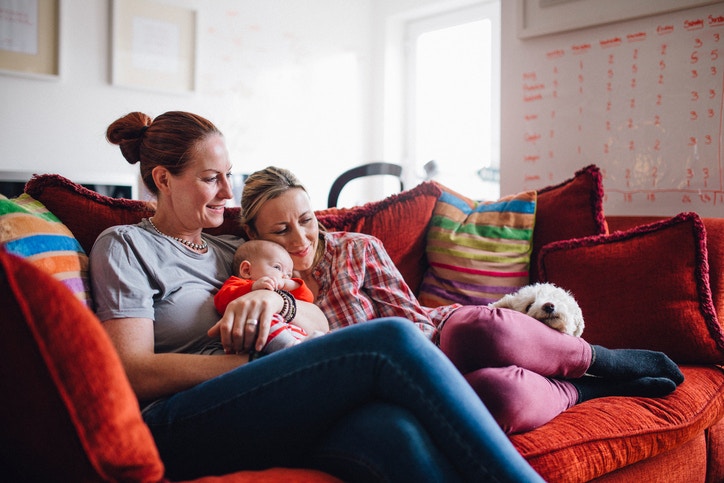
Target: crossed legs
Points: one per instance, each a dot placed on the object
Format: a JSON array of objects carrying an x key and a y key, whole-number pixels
[{"x": 527, "y": 373}]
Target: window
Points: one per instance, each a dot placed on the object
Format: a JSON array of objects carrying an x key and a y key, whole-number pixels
[{"x": 453, "y": 99}]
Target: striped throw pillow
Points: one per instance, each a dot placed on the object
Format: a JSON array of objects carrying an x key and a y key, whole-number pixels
[
  {"x": 478, "y": 251},
  {"x": 29, "y": 230}
]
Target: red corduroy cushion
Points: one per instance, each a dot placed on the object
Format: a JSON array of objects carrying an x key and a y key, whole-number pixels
[
  {"x": 647, "y": 288},
  {"x": 85, "y": 212},
  {"x": 601, "y": 435},
  {"x": 68, "y": 410},
  {"x": 571, "y": 209},
  {"x": 400, "y": 221},
  {"x": 715, "y": 249}
]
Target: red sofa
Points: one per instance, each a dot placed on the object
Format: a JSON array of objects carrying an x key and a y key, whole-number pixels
[{"x": 641, "y": 282}]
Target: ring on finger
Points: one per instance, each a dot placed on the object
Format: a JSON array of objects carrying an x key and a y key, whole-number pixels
[{"x": 252, "y": 322}]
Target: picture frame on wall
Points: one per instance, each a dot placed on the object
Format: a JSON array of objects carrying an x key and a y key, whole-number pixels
[
  {"x": 153, "y": 46},
  {"x": 30, "y": 38},
  {"x": 543, "y": 17}
]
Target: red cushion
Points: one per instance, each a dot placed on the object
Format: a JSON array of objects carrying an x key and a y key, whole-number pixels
[
  {"x": 272, "y": 475},
  {"x": 647, "y": 287},
  {"x": 68, "y": 410},
  {"x": 85, "y": 212},
  {"x": 601, "y": 435},
  {"x": 571, "y": 209},
  {"x": 683, "y": 464},
  {"x": 400, "y": 221},
  {"x": 715, "y": 249}
]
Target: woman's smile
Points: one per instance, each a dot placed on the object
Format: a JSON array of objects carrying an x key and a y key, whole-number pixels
[
  {"x": 217, "y": 208},
  {"x": 301, "y": 253}
]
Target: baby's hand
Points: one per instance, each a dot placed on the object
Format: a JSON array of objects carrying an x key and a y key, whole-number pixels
[{"x": 264, "y": 283}]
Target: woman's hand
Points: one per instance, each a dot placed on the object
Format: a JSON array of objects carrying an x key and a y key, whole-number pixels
[{"x": 246, "y": 321}]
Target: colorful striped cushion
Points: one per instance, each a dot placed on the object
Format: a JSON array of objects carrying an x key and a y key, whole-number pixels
[
  {"x": 477, "y": 251},
  {"x": 29, "y": 230}
]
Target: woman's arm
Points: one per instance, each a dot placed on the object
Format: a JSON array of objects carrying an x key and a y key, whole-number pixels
[
  {"x": 157, "y": 375},
  {"x": 363, "y": 284},
  {"x": 386, "y": 287},
  {"x": 260, "y": 305},
  {"x": 310, "y": 318}
]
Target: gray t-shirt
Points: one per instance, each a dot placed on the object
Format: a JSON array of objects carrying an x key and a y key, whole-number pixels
[{"x": 135, "y": 272}]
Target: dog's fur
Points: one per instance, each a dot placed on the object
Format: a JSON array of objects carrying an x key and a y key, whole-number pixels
[{"x": 548, "y": 303}]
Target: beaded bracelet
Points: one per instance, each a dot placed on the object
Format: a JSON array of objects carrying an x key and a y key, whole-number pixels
[{"x": 289, "y": 309}]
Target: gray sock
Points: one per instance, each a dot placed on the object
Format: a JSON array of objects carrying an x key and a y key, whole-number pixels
[
  {"x": 594, "y": 387},
  {"x": 628, "y": 364}
]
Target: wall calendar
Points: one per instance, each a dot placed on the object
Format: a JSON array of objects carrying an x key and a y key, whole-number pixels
[{"x": 642, "y": 99}]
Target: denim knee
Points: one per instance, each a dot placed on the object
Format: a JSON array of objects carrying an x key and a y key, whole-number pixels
[{"x": 385, "y": 443}]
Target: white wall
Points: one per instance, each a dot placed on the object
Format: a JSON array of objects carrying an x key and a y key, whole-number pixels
[
  {"x": 287, "y": 82},
  {"x": 306, "y": 84}
]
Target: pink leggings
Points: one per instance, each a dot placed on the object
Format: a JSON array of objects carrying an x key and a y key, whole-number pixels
[{"x": 515, "y": 364}]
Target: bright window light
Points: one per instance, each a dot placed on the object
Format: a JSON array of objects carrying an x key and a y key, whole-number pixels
[{"x": 453, "y": 111}]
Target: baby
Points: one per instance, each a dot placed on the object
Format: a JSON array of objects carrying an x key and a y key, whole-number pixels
[{"x": 264, "y": 265}]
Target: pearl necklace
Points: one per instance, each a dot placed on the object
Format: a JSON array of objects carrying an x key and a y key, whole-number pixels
[{"x": 195, "y": 246}]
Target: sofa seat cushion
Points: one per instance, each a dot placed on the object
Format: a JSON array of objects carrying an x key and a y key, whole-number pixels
[
  {"x": 684, "y": 464},
  {"x": 598, "y": 436}
]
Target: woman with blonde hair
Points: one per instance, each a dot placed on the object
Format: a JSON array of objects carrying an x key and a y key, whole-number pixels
[{"x": 525, "y": 372}]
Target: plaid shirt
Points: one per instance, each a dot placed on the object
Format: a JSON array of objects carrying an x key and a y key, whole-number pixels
[{"x": 358, "y": 281}]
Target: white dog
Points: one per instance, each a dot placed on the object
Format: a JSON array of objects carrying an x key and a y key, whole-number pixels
[{"x": 548, "y": 303}]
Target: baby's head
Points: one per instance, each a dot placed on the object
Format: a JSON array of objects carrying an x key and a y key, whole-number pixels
[{"x": 261, "y": 258}]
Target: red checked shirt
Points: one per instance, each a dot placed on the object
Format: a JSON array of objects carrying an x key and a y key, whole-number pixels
[{"x": 358, "y": 281}]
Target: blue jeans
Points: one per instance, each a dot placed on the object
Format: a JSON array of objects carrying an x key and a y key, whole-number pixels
[{"x": 371, "y": 402}]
